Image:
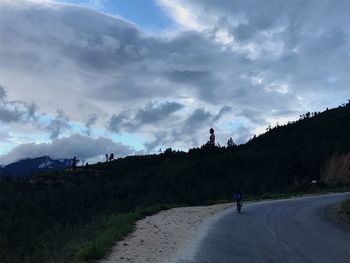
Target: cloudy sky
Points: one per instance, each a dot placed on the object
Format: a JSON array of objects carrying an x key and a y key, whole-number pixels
[{"x": 86, "y": 77}]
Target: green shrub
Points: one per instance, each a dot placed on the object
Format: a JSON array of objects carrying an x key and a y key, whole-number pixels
[{"x": 345, "y": 208}]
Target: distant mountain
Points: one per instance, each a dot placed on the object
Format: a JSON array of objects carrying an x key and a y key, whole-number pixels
[{"x": 27, "y": 167}]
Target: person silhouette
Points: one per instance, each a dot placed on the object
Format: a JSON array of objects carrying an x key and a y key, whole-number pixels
[{"x": 74, "y": 163}]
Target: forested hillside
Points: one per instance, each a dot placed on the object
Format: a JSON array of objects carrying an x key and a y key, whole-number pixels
[{"x": 51, "y": 215}]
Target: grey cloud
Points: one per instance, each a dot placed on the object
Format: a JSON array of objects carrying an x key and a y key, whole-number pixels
[
  {"x": 286, "y": 113},
  {"x": 159, "y": 140},
  {"x": 167, "y": 132},
  {"x": 202, "y": 118},
  {"x": 15, "y": 111},
  {"x": 93, "y": 41},
  {"x": 243, "y": 32},
  {"x": 2, "y": 92},
  {"x": 120, "y": 122},
  {"x": 4, "y": 135},
  {"x": 58, "y": 125},
  {"x": 198, "y": 120},
  {"x": 190, "y": 76},
  {"x": 190, "y": 61},
  {"x": 83, "y": 147},
  {"x": 205, "y": 82},
  {"x": 255, "y": 117},
  {"x": 185, "y": 131},
  {"x": 293, "y": 25},
  {"x": 151, "y": 114},
  {"x": 222, "y": 112},
  {"x": 9, "y": 115},
  {"x": 90, "y": 45},
  {"x": 89, "y": 123},
  {"x": 242, "y": 134},
  {"x": 198, "y": 117}
]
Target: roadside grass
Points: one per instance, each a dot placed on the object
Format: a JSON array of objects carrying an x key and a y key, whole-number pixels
[
  {"x": 345, "y": 209},
  {"x": 115, "y": 228}
]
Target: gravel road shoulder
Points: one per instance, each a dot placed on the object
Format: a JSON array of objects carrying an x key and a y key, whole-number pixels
[{"x": 165, "y": 237}]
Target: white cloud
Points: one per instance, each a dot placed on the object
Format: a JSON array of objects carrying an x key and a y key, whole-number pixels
[
  {"x": 182, "y": 15},
  {"x": 84, "y": 147}
]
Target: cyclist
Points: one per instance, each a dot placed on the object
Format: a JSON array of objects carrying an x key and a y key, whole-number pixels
[{"x": 238, "y": 197}]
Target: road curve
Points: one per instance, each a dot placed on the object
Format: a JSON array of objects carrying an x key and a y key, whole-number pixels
[{"x": 290, "y": 231}]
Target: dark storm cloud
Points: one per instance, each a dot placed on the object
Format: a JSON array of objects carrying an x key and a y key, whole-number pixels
[{"x": 83, "y": 147}]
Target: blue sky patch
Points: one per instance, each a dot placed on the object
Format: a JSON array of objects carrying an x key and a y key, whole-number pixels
[{"x": 145, "y": 13}]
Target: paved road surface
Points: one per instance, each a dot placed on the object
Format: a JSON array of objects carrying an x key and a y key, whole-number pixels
[{"x": 285, "y": 231}]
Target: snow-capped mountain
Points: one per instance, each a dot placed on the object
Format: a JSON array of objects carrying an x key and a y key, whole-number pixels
[{"x": 27, "y": 167}]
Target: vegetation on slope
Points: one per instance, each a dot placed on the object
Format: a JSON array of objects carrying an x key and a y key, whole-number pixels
[
  {"x": 345, "y": 210},
  {"x": 50, "y": 217}
]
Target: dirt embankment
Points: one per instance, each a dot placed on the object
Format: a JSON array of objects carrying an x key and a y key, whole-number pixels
[{"x": 337, "y": 169}]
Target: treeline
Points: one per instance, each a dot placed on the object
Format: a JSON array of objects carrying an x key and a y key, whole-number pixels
[{"x": 49, "y": 216}]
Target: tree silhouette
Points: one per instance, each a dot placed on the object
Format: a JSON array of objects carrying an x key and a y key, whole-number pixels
[{"x": 230, "y": 143}]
